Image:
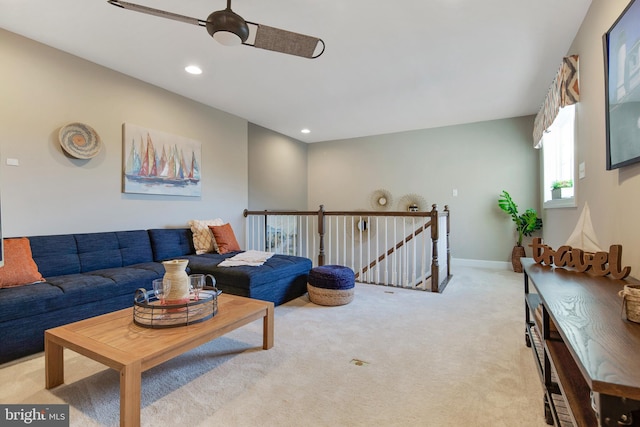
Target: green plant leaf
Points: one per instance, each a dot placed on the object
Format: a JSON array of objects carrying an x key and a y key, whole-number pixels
[
  {"x": 567, "y": 183},
  {"x": 526, "y": 223},
  {"x": 506, "y": 203},
  {"x": 530, "y": 222}
]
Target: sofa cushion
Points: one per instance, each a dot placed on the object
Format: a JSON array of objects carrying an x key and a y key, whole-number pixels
[
  {"x": 135, "y": 247},
  {"x": 19, "y": 268},
  {"x": 168, "y": 243},
  {"x": 55, "y": 255},
  {"x": 98, "y": 251},
  {"x": 154, "y": 267},
  {"x": 81, "y": 288},
  {"x": 128, "y": 279},
  {"x": 276, "y": 267},
  {"x": 29, "y": 300},
  {"x": 280, "y": 279},
  {"x": 225, "y": 238},
  {"x": 203, "y": 241},
  {"x": 107, "y": 283}
]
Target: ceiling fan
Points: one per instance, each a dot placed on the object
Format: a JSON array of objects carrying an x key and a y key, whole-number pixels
[{"x": 230, "y": 29}]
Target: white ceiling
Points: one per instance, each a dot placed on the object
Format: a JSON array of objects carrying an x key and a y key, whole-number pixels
[{"x": 388, "y": 66}]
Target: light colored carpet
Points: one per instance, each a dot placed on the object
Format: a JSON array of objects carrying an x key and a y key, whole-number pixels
[{"x": 451, "y": 359}]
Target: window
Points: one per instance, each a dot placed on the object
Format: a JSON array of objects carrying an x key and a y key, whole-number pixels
[{"x": 558, "y": 144}]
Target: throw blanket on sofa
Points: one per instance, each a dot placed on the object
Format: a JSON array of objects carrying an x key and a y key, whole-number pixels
[{"x": 251, "y": 257}]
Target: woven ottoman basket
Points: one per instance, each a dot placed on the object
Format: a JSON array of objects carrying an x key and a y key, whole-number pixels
[{"x": 331, "y": 285}]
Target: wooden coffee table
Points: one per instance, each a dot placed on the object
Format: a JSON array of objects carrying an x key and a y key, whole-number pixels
[{"x": 115, "y": 341}]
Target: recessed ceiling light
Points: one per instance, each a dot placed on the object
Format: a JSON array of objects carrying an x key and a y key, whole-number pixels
[
  {"x": 305, "y": 131},
  {"x": 193, "y": 69}
]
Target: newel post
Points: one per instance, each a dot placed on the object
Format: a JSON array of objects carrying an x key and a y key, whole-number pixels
[
  {"x": 266, "y": 234},
  {"x": 321, "y": 233},
  {"x": 446, "y": 209},
  {"x": 435, "y": 270}
]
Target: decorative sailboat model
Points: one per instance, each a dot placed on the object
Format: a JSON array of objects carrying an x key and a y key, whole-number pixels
[{"x": 584, "y": 236}]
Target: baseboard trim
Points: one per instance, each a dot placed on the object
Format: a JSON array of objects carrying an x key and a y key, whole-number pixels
[{"x": 498, "y": 265}]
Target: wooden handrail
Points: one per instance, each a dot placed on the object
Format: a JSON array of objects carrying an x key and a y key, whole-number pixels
[
  {"x": 247, "y": 212},
  {"x": 344, "y": 213},
  {"x": 376, "y": 213}
]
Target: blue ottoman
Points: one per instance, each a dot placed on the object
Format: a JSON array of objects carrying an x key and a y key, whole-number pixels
[{"x": 331, "y": 285}]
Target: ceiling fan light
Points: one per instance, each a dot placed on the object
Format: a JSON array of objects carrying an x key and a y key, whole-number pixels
[
  {"x": 227, "y": 27},
  {"x": 227, "y": 38}
]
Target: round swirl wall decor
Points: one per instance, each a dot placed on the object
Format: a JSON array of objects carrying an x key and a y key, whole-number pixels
[{"x": 80, "y": 140}]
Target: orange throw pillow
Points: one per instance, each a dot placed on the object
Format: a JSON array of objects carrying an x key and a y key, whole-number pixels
[
  {"x": 19, "y": 266},
  {"x": 225, "y": 239}
]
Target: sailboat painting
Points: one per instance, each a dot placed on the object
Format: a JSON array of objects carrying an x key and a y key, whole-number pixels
[{"x": 159, "y": 163}]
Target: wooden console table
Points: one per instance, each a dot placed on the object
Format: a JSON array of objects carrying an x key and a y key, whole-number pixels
[{"x": 587, "y": 354}]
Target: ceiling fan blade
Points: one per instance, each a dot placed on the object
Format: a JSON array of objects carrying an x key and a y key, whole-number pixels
[
  {"x": 283, "y": 41},
  {"x": 157, "y": 12}
]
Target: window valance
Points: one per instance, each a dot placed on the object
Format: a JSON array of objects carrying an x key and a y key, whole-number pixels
[{"x": 565, "y": 90}]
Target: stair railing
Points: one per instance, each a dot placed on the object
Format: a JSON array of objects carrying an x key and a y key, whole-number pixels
[{"x": 386, "y": 248}]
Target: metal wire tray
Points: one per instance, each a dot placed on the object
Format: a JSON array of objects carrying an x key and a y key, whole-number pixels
[{"x": 150, "y": 313}]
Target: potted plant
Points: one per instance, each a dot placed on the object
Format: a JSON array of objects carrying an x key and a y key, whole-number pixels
[
  {"x": 557, "y": 186},
  {"x": 526, "y": 224}
]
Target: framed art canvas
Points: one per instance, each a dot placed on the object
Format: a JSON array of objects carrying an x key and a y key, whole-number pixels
[
  {"x": 1, "y": 241},
  {"x": 622, "y": 88},
  {"x": 160, "y": 163}
]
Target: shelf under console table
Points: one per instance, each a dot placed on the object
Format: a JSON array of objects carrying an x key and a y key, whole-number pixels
[{"x": 587, "y": 354}]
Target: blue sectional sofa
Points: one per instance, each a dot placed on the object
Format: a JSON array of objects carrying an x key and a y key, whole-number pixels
[{"x": 95, "y": 273}]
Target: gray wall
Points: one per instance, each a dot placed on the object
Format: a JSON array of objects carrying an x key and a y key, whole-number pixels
[
  {"x": 42, "y": 89},
  {"x": 479, "y": 160},
  {"x": 277, "y": 171},
  {"x": 612, "y": 195}
]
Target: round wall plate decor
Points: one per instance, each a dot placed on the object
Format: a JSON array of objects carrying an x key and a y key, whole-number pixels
[{"x": 79, "y": 140}]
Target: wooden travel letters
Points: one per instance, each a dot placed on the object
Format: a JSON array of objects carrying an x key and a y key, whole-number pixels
[{"x": 598, "y": 263}]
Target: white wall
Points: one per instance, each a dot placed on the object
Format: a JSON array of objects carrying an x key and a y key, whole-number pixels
[
  {"x": 42, "y": 89},
  {"x": 612, "y": 195},
  {"x": 479, "y": 160}
]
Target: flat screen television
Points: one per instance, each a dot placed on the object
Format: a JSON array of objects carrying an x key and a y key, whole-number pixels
[{"x": 622, "y": 88}]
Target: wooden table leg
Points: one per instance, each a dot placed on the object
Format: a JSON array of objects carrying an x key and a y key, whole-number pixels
[
  {"x": 267, "y": 340},
  {"x": 53, "y": 363},
  {"x": 130, "y": 383}
]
